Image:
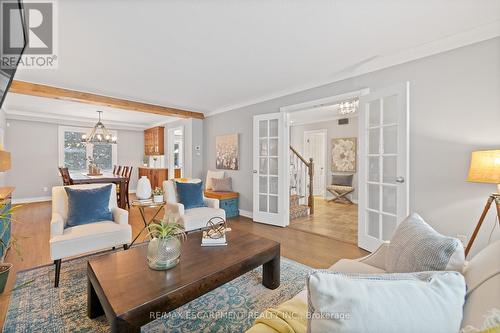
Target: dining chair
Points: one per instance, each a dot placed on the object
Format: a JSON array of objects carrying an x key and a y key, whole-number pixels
[
  {"x": 119, "y": 170},
  {"x": 65, "y": 176},
  {"x": 127, "y": 183},
  {"x": 114, "y": 169}
]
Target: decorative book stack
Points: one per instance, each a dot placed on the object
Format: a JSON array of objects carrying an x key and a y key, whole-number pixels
[{"x": 207, "y": 240}]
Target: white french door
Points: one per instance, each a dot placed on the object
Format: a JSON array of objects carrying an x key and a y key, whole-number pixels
[
  {"x": 315, "y": 148},
  {"x": 384, "y": 164},
  {"x": 268, "y": 176}
]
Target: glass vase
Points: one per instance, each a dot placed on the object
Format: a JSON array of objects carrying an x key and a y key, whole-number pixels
[{"x": 164, "y": 254}]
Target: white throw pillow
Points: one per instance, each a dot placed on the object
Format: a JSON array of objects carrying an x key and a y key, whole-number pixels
[
  {"x": 416, "y": 247},
  {"x": 428, "y": 302},
  {"x": 212, "y": 174}
]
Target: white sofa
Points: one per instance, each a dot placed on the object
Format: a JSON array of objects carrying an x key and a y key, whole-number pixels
[
  {"x": 68, "y": 242},
  {"x": 482, "y": 275},
  {"x": 194, "y": 218}
]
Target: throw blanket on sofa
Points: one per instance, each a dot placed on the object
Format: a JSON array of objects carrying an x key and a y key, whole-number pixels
[{"x": 289, "y": 317}]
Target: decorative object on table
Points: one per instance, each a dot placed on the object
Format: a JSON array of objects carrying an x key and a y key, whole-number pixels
[
  {"x": 164, "y": 250},
  {"x": 344, "y": 155},
  {"x": 485, "y": 168},
  {"x": 341, "y": 187},
  {"x": 222, "y": 185},
  {"x": 227, "y": 200},
  {"x": 93, "y": 169},
  {"x": 213, "y": 174},
  {"x": 143, "y": 190},
  {"x": 227, "y": 151},
  {"x": 158, "y": 195},
  {"x": 99, "y": 134},
  {"x": 215, "y": 232},
  {"x": 142, "y": 204}
]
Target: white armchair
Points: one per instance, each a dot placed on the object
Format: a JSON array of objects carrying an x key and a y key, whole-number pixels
[
  {"x": 194, "y": 218},
  {"x": 72, "y": 241}
]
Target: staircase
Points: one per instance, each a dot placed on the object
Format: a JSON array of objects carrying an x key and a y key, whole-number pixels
[
  {"x": 296, "y": 209},
  {"x": 301, "y": 185}
]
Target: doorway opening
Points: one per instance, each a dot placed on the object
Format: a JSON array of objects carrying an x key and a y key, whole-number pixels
[
  {"x": 175, "y": 152},
  {"x": 326, "y": 139}
]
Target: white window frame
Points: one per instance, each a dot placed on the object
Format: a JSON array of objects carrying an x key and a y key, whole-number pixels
[{"x": 60, "y": 143}]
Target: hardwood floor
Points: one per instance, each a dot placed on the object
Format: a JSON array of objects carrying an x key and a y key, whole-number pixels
[
  {"x": 331, "y": 219},
  {"x": 31, "y": 228}
]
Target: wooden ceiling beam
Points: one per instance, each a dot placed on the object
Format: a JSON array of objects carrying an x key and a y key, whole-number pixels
[{"x": 41, "y": 90}]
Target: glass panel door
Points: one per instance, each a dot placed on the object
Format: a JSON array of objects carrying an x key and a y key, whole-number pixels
[
  {"x": 383, "y": 165},
  {"x": 267, "y": 174}
]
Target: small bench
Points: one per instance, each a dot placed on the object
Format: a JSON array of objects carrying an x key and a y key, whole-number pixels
[{"x": 227, "y": 201}]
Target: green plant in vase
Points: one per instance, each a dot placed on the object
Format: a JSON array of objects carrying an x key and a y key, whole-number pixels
[
  {"x": 6, "y": 220},
  {"x": 164, "y": 250},
  {"x": 158, "y": 195}
]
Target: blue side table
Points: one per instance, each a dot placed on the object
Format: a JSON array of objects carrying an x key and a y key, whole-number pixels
[{"x": 227, "y": 201}]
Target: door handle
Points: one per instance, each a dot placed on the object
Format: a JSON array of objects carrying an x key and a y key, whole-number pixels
[
  {"x": 400, "y": 179},
  {"x": 254, "y": 171}
]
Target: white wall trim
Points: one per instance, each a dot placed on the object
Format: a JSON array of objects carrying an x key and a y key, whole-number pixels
[
  {"x": 69, "y": 120},
  {"x": 324, "y": 101},
  {"x": 378, "y": 62},
  {"x": 246, "y": 213}
]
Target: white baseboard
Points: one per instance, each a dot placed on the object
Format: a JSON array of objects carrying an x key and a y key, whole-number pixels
[
  {"x": 246, "y": 213},
  {"x": 32, "y": 199}
]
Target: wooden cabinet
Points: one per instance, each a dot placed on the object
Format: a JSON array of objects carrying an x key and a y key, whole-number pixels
[
  {"x": 155, "y": 175},
  {"x": 154, "y": 141}
]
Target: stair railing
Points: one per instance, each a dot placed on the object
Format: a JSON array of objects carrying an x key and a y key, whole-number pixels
[{"x": 302, "y": 176}]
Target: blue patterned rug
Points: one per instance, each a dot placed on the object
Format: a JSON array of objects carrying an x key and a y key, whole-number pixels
[{"x": 39, "y": 307}]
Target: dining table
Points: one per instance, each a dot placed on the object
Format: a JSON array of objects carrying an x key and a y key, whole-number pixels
[{"x": 105, "y": 177}]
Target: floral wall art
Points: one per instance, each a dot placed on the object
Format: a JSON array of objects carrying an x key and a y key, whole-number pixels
[
  {"x": 226, "y": 147},
  {"x": 344, "y": 155}
]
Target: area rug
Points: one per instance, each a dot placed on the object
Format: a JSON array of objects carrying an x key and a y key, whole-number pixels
[{"x": 36, "y": 306}]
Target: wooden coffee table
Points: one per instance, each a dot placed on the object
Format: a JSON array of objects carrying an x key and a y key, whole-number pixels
[{"x": 130, "y": 294}]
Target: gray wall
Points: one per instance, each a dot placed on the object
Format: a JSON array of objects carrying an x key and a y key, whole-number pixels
[
  {"x": 334, "y": 130},
  {"x": 454, "y": 109},
  {"x": 35, "y": 156}
]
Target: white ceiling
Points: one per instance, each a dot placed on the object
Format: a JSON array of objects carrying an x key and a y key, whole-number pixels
[
  {"x": 212, "y": 56},
  {"x": 52, "y": 110}
]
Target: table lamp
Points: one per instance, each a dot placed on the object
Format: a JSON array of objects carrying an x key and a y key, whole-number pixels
[{"x": 485, "y": 168}]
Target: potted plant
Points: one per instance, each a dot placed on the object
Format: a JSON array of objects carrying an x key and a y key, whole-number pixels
[
  {"x": 5, "y": 220},
  {"x": 164, "y": 250},
  {"x": 158, "y": 195}
]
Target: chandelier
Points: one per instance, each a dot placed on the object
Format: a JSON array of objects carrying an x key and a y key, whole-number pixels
[
  {"x": 349, "y": 106},
  {"x": 99, "y": 134}
]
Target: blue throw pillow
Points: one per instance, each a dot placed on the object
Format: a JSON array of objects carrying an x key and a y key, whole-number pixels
[
  {"x": 190, "y": 194},
  {"x": 88, "y": 205}
]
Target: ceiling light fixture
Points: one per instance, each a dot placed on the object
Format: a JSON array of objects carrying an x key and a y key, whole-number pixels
[
  {"x": 99, "y": 134},
  {"x": 348, "y": 107}
]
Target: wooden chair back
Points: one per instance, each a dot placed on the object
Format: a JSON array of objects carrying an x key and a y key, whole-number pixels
[
  {"x": 119, "y": 170},
  {"x": 114, "y": 169},
  {"x": 124, "y": 171},
  {"x": 65, "y": 176}
]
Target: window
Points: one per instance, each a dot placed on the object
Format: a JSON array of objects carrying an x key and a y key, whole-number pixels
[{"x": 73, "y": 153}]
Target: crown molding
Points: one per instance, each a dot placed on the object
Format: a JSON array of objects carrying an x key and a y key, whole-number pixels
[
  {"x": 11, "y": 114},
  {"x": 475, "y": 35}
]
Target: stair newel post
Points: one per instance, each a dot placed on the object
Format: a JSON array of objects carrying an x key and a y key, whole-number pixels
[{"x": 310, "y": 199}]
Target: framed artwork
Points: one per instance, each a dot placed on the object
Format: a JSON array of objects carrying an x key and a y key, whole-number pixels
[
  {"x": 344, "y": 155},
  {"x": 226, "y": 147}
]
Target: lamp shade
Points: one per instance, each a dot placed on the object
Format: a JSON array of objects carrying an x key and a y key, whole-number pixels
[{"x": 485, "y": 167}]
